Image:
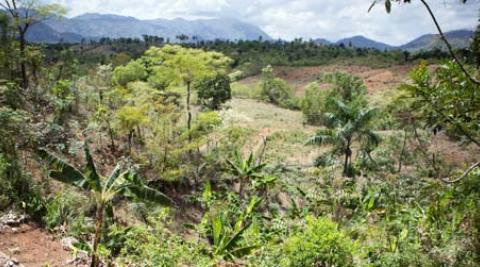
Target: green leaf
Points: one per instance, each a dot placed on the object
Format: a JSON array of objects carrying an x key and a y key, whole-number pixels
[
  {"x": 243, "y": 251},
  {"x": 144, "y": 192},
  {"x": 93, "y": 177},
  {"x": 116, "y": 173},
  {"x": 236, "y": 237},
  {"x": 62, "y": 171}
]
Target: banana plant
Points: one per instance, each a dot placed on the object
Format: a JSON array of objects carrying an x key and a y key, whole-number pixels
[
  {"x": 244, "y": 170},
  {"x": 103, "y": 189},
  {"x": 226, "y": 240}
]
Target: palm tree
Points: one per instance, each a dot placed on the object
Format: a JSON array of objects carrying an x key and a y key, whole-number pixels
[
  {"x": 244, "y": 169},
  {"x": 347, "y": 124},
  {"x": 104, "y": 190}
]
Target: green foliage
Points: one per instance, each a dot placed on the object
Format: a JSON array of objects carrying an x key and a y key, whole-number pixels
[
  {"x": 119, "y": 183},
  {"x": 320, "y": 244},
  {"x": 276, "y": 90},
  {"x": 226, "y": 239},
  {"x": 314, "y": 102},
  {"x": 446, "y": 100},
  {"x": 63, "y": 210},
  {"x": 133, "y": 71},
  {"x": 346, "y": 124},
  {"x": 213, "y": 91},
  {"x": 63, "y": 98},
  {"x": 159, "y": 247},
  {"x": 245, "y": 170}
]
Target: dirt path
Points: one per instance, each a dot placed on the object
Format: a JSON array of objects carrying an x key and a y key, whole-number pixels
[{"x": 32, "y": 246}]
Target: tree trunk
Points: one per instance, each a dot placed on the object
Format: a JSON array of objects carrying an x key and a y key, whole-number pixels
[
  {"x": 240, "y": 190},
  {"x": 400, "y": 160},
  {"x": 346, "y": 164},
  {"x": 98, "y": 233},
  {"x": 130, "y": 137},
  {"x": 112, "y": 139},
  {"x": 189, "y": 112},
  {"x": 23, "y": 66}
]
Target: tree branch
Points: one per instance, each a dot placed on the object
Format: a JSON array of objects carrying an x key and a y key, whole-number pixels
[
  {"x": 467, "y": 172},
  {"x": 449, "y": 46}
]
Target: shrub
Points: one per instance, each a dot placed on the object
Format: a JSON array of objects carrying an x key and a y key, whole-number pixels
[
  {"x": 276, "y": 90},
  {"x": 213, "y": 91},
  {"x": 320, "y": 244},
  {"x": 134, "y": 71},
  {"x": 63, "y": 209},
  {"x": 313, "y": 105}
]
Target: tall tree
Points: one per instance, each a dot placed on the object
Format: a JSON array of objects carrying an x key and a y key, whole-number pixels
[
  {"x": 179, "y": 65},
  {"x": 24, "y": 14}
]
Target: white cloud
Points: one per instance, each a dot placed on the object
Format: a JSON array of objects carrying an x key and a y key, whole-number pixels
[{"x": 288, "y": 19}]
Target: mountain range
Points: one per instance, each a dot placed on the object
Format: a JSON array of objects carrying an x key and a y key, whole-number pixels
[
  {"x": 93, "y": 26},
  {"x": 458, "y": 39}
]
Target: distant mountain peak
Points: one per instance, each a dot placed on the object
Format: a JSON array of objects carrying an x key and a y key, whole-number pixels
[{"x": 363, "y": 42}]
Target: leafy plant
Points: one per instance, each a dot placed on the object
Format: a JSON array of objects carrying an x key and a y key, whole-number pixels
[
  {"x": 244, "y": 169},
  {"x": 213, "y": 91},
  {"x": 227, "y": 240},
  {"x": 346, "y": 124},
  {"x": 118, "y": 183},
  {"x": 320, "y": 244}
]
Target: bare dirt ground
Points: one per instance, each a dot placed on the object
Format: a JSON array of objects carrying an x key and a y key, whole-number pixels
[
  {"x": 32, "y": 246},
  {"x": 376, "y": 79}
]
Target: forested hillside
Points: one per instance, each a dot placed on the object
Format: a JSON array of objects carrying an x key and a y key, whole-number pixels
[{"x": 140, "y": 152}]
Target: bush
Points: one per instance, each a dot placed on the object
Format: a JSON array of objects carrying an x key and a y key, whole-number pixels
[
  {"x": 276, "y": 90},
  {"x": 213, "y": 91},
  {"x": 320, "y": 244},
  {"x": 134, "y": 71},
  {"x": 64, "y": 209},
  {"x": 313, "y": 105}
]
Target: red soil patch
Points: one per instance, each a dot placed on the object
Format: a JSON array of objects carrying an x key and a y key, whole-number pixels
[
  {"x": 33, "y": 246},
  {"x": 375, "y": 79}
]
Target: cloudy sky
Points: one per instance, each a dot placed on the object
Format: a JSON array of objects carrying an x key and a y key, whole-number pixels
[{"x": 288, "y": 19}]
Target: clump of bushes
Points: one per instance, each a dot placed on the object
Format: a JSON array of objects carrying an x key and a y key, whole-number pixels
[
  {"x": 320, "y": 244},
  {"x": 277, "y": 91}
]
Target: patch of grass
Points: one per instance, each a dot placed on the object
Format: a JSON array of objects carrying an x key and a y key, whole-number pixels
[{"x": 241, "y": 90}]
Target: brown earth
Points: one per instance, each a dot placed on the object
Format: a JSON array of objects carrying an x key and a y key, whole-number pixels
[
  {"x": 32, "y": 246},
  {"x": 376, "y": 79}
]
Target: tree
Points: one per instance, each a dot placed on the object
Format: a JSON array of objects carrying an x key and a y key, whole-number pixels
[
  {"x": 447, "y": 100},
  {"x": 128, "y": 119},
  {"x": 245, "y": 170},
  {"x": 104, "y": 189},
  {"x": 213, "y": 91},
  {"x": 184, "y": 66},
  {"x": 133, "y": 71},
  {"x": 24, "y": 14},
  {"x": 346, "y": 124}
]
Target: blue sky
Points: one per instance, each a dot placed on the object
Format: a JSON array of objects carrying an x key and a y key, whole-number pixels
[{"x": 287, "y": 19}]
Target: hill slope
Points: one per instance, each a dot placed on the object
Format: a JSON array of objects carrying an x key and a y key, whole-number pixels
[
  {"x": 363, "y": 42},
  {"x": 458, "y": 39}
]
